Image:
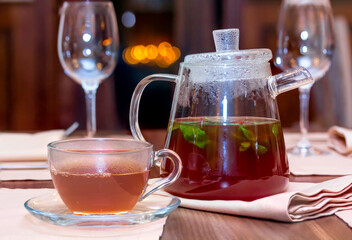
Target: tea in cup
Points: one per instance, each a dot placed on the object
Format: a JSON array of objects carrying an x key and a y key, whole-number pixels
[{"x": 106, "y": 175}]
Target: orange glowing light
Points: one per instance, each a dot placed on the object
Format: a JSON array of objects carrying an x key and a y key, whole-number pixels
[
  {"x": 99, "y": 66},
  {"x": 170, "y": 56},
  {"x": 127, "y": 56},
  {"x": 162, "y": 55},
  {"x": 137, "y": 53},
  {"x": 152, "y": 52},
  {"x": 102, "y": 25},
  {"x": 107, "y": 42},
  {"x": 145, "y": 51},
  {"x": 162, "y": 48},
  {"x": 177, "y": 52},
  {"x": 165, "y": 45},
  {"x": 132, "y": 53},
  {"x": 161, "y": 63},
  {"x": 145, "y": 61}
]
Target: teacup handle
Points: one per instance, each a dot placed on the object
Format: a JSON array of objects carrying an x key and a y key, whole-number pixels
[
  {"x": 136, "y": 97},
  {"x": 172, "y": 177}
]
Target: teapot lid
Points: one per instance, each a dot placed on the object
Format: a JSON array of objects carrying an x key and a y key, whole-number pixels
[{"x": 227, "y": 50}]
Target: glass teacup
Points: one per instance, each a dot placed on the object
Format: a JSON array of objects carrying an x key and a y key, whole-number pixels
[{"x": 106, "y": 175}]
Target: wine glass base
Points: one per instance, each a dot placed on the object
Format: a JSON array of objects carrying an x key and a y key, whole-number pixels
[{"x": 306, "y": 152}]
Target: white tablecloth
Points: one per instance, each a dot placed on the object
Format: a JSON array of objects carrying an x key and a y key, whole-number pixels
[
  {"x": 17, "y": 223},
  {"x": 330, "y": 164}
]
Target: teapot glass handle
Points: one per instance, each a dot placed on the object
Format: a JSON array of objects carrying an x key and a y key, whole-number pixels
[
  {"x": 136, "y": 97},
  {"x": 288, "y": 80}
]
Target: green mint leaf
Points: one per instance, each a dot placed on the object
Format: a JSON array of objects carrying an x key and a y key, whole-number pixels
[
  {"x": 174, "y": 127},
  {"x": 194, "y": 135},
  {"x": 244, "y": 146},
  {"x": 247, "y": 133},
  {"x": 275, "y": 129},
  {"x": 261, "y": 149},
  {"x": 232, "y": 124},
  {"x": 242, "y": 149}
]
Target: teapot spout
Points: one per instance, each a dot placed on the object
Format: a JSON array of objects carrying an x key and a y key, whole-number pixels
[{"x": 289, "y": 80}]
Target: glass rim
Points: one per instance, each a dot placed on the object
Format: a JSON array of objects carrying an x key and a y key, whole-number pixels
[
  {"x": 104, "y": 2},
  {"x": 143, "y": 146}
]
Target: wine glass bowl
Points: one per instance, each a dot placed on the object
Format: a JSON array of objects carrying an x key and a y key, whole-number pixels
[
  {"x": 307, "y": 41},
  {"x": 87, "y": 47},
  {"x": 305, "y": 38}
]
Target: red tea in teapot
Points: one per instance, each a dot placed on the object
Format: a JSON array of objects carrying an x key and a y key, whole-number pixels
[{"x": 240, "y": 158}]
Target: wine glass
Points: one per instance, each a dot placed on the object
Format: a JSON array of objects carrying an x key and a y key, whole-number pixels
[
  {"x": 305, "y": 38},
  {"x": 87, "y": 48}
]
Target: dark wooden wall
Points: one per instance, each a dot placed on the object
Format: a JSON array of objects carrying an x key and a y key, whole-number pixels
[
  {"x": 27, "y": 71},
  {"x": 34, "y": 92}
]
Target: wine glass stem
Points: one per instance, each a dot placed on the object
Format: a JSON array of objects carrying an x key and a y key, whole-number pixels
[
  {"x": 304, "y": 94},
  {"x": 91, "y": 117}
]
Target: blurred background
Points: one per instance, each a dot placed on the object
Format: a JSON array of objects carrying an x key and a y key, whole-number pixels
[{"x": 155, "y": 36}]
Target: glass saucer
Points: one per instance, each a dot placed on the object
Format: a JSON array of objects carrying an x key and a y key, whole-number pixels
[{"x": 50, "y": 208}]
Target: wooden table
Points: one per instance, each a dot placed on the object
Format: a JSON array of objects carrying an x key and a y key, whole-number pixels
[{"x": 193, "y": 224}]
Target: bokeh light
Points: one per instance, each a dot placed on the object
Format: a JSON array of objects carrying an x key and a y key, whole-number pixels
[
  {"x": 107, "y": 42},
  {"x": 162, "y": 55},
  {"x": 128, "y": 19}
]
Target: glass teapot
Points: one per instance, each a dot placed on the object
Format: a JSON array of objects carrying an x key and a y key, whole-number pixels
[{"x": 224, "y": 122}]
